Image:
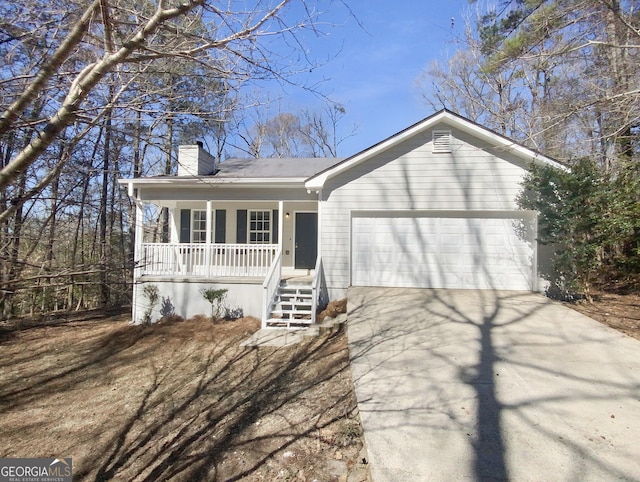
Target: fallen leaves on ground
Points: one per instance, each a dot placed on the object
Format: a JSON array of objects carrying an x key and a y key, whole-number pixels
[{"x": 177, "y": 401}]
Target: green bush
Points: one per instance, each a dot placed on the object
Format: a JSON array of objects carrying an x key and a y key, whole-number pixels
[
  {"x": 591, "y": 218},
  {"x": 216, "y": 297},
  {"x": 152, "y": 293}
]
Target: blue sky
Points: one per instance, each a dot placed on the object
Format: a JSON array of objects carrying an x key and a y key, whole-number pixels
[{"x": 373, "y": 68}]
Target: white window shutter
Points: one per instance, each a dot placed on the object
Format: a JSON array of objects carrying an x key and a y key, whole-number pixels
[{"x": 441, "y": 141}]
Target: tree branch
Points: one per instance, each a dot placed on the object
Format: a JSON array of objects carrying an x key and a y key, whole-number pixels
[
  {"x": 48, "y": 70},
  {"x": 93, "y": 73}
]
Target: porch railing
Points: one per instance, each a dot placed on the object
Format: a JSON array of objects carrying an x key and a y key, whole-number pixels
[
  {"x": 207, "y": 260},
  {"x": 270, "y": 286}
]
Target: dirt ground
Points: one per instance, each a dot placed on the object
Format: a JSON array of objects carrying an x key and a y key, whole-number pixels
[
  {"x": 178, "y": 401},
  {"x": 619, "y": 311},
  {"x": 182, "y": 401}
]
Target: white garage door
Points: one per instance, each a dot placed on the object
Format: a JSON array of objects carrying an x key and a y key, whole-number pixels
[{"x": 453, "y": 252}]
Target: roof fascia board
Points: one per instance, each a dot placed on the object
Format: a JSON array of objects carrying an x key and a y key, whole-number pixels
[
  {"x": 505, "y": 143},
  {"x": 221, "y": 182}
]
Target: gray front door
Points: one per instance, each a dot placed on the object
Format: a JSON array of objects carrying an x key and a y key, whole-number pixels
[{"x": 306, "y": 249}]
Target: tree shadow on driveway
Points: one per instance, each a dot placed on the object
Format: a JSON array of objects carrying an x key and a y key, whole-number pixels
[{"x": 491, "y": 385}]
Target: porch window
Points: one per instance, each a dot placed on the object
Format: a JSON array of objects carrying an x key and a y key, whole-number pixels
[
  {"x": 199, "y": 226},
  {"x": 259, "y": 227}
]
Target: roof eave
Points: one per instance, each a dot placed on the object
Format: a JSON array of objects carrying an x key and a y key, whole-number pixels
[
  {"x": 523, "y": 152},
  {"x": 221, "y": 182}
]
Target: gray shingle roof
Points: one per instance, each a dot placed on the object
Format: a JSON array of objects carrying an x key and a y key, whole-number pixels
[{"x": 274, "y": 167}]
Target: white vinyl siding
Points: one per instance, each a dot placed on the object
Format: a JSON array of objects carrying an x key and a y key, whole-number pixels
[{"x": 410, "y": 176}]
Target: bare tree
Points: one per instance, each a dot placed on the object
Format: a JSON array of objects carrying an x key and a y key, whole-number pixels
[
  {"x": 130, "y": 39},
  {"x": 319, "y": 130},
  {"x": 89, "y": 93},
  {"x": 571, "y": 72},
  {"x": 309, "y": 133},
  {"x": 560, "y": 76}
]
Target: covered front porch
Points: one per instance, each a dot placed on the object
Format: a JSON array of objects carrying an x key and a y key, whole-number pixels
[
  {"x": 244, "y": 225},
  {"x": 250, "y": 248},
  {"x": 232, "y": 238}
]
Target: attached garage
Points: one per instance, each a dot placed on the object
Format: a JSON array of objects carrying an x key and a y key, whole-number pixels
[
  {"x": 433, "y": 206},
  {"x": 454, "y": 250}
]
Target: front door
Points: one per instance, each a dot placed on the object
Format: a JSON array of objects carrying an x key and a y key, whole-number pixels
[{"x": 306, "y": 239}]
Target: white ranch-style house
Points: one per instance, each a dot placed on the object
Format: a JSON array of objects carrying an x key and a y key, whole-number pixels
[{"x": 433, "y": 206}]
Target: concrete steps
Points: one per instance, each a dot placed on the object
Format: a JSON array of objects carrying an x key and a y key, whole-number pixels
[
  {"x": 280, "y": 338},
  {"x": 326, "y": 327}
]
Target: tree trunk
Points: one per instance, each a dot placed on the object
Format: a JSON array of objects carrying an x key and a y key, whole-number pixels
[
  {"x": 167, "y": 170},
  {"x": 104, "y": 198}
]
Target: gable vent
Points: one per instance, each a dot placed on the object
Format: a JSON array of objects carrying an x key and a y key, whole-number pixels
[{"x": 441, "y": 141}]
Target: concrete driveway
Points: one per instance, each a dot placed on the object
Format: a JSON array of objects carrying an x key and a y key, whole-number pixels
[{"x": 481, "y": 385}]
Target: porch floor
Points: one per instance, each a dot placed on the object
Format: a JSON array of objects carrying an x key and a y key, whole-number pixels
[
  {"x": 292, "y": 275},
  {"x": 253, "y": 280},
  {"x": 297, "y": 279}
]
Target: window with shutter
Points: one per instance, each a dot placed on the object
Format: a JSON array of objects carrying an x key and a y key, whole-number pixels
[
  {"x": 198, "y": 226},
  {"x": 441, "y": 141},
  {"x": 259, "y": 227}
]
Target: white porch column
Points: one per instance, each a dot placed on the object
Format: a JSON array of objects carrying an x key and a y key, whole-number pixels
[
  {"x": 139, "y": 233},
  {"x": 174, "y": 235},
  {"x": 280, "y": 222},
  {"x": 137, "y": 256},
  {"x": 319, "y": 228},
  {"x": 208, "y": 239}
]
